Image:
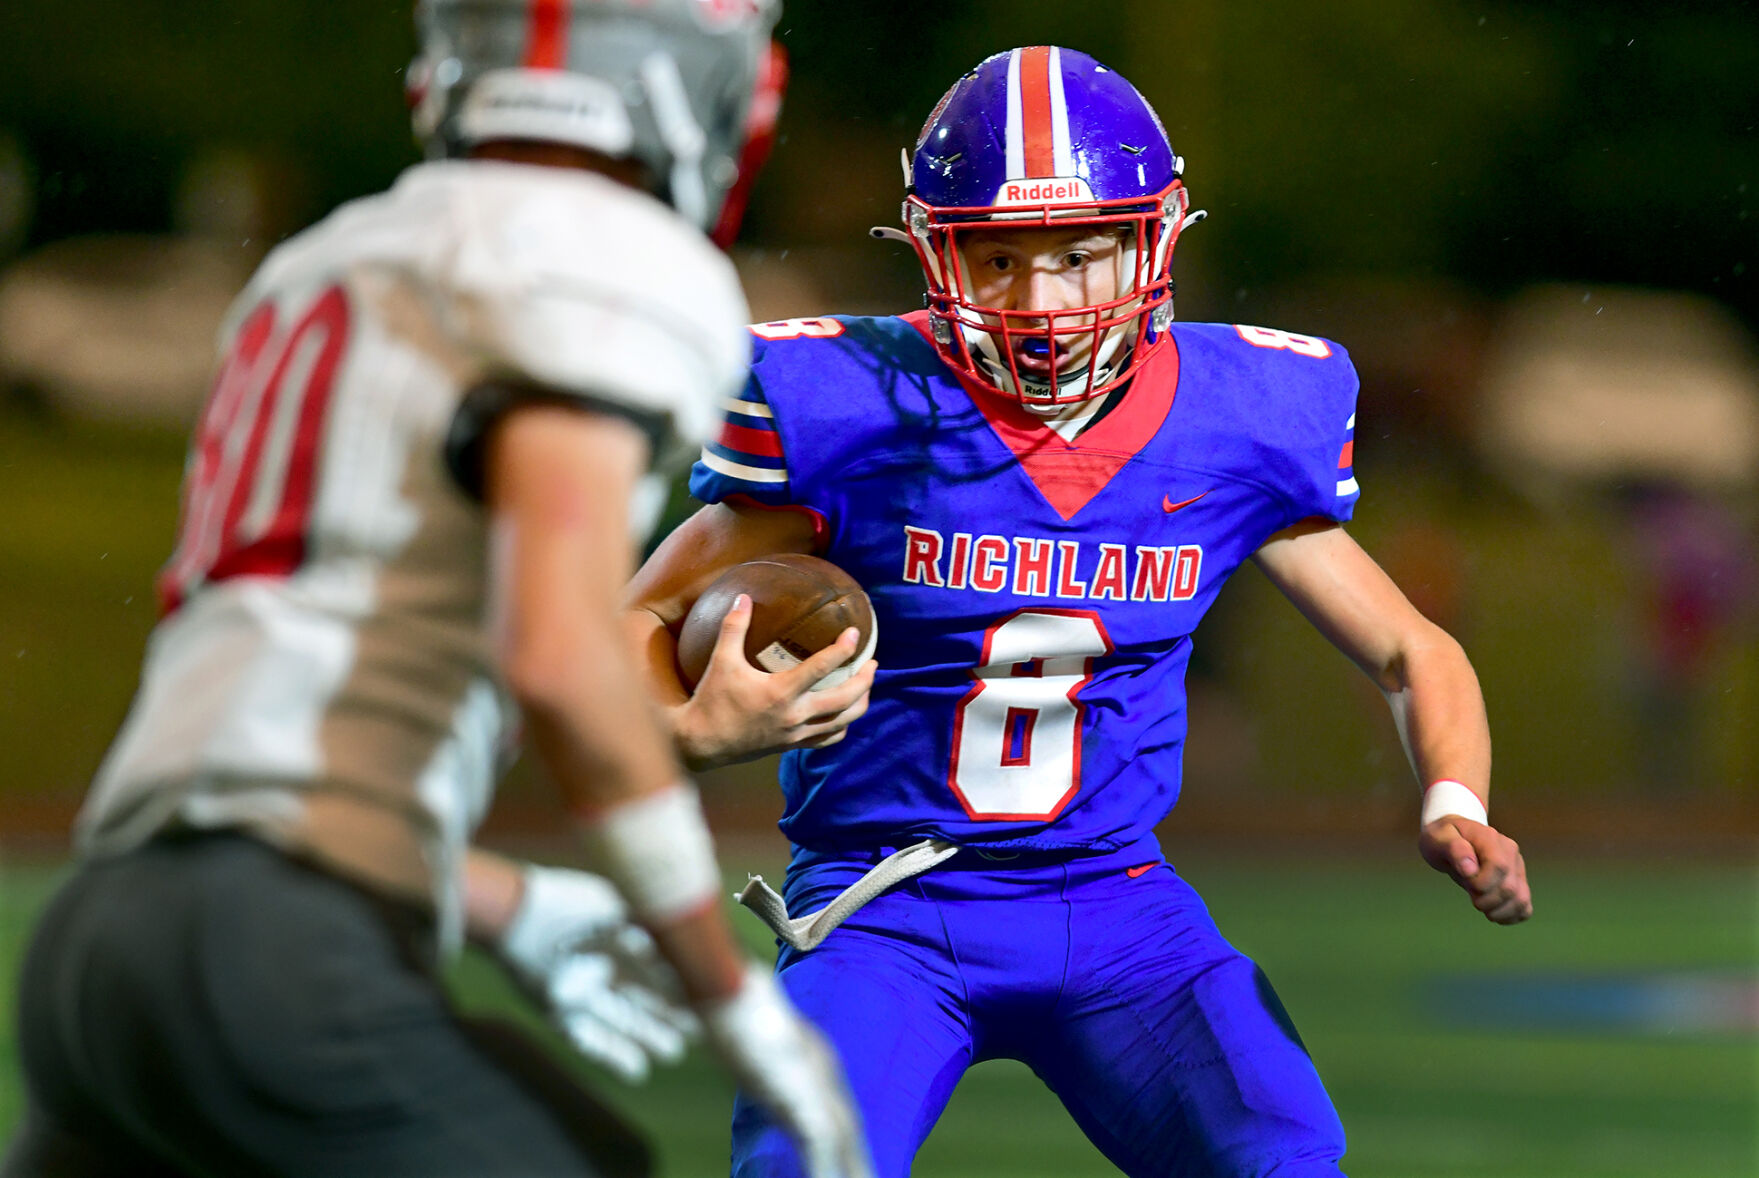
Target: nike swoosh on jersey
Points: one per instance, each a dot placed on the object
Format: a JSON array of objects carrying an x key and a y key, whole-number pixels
[
  {"x": 1141, "y": 869},
  {"x": 1167, "y": 505}
]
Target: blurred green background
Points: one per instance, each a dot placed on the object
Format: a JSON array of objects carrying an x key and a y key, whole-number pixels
[{"x": 1531, "y": 223}]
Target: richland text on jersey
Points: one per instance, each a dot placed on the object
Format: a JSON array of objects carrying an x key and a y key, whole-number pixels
[{"x": 1029, "y": 566}]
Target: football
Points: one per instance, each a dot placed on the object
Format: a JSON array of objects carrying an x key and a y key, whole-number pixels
[{"x": 799, "y": 604}]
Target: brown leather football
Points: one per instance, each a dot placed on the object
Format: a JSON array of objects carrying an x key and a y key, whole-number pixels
[{"x": 799, "y": 604}]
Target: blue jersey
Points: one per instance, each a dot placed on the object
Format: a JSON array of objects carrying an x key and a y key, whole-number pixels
[{"x": 1035, "y": 598}]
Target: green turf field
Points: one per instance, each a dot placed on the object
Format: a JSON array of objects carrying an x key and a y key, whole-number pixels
[{"x": 1354, "y": 949}]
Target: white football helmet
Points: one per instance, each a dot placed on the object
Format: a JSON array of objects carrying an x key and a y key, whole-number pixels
[{"x": 691, "y": 88}]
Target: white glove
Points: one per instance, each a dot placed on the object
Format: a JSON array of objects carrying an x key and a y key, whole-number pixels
[
  {"x": 600, "y": 978},
  {"x": 783, "y": 1063}
]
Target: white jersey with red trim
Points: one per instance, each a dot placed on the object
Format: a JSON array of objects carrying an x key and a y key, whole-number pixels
[{"x": 323, "y": 675}]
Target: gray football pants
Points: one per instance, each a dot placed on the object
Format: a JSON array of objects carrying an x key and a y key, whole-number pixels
[{"x": 207, "y": 1006}]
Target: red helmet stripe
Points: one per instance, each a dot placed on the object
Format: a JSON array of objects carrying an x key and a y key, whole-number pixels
[
  {"x": 1035, "y": 112},
  {"x": 760, "y": 137},
  {"x": 546, "y": 38}
]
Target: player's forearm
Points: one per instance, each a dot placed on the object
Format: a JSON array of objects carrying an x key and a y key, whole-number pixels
[
  {"x": 602, "y": 742},
  {"x": 595, "y": 731},
  {"x": 1439, "y": 710},
  {"x": 703, "y": 951},
  {"x": 558, "y": 486}
]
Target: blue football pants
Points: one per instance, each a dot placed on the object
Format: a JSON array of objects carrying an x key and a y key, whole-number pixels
[{"x": 1105, "y": 976}]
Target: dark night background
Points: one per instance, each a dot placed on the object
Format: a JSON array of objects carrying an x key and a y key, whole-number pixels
[{"x": 1531, "y": 222}]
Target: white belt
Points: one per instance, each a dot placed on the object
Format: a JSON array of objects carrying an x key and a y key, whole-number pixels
[{"x": 807, "y": 932}]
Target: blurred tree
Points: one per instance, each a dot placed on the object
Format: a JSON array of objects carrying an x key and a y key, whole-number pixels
[
  {"x": 1498, "y": 141},
  {"x": 114, "y": 97},
  {"x": 1646, "y": 166}
]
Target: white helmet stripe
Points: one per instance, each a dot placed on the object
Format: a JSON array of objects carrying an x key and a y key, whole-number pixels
[{"x": 1016, "y": 131}]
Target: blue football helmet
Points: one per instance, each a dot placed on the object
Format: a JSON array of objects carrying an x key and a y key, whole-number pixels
[{"x": 1043, "y": 136}]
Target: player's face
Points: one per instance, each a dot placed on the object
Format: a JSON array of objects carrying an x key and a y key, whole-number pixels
[{"x": 1048, "y": 269}]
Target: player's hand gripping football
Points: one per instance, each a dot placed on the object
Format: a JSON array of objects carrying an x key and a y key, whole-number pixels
[
  {"x": 739, "y": 712},
  {"x": 782, "y": 1062},
  {"x": 1483, "y": 861},
  {"x": 599, "y": 977}
]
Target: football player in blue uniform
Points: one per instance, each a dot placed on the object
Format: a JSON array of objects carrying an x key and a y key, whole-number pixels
[{"x": 1043, "y": 481}]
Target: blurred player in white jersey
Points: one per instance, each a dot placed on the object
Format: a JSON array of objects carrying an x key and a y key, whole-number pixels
[{"x": 409, "y": 508}]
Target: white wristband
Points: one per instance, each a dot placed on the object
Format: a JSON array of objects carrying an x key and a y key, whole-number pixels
[
  {"x": 1444, "y": 798},
  {"x": 657, "y": 850}
]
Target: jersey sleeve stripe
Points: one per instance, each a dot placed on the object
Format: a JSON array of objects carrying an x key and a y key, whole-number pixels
[
  {"x": 739, "y": 470},
  {"x": 751, "y": 458},
  {"x": 747, "y": 408},
  {"x": 745, "y": 440},
  {"x": 1347, "y": 485}
]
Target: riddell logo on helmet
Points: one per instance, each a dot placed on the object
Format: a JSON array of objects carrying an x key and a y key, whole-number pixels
[{"x": 1050, "y": 191}]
